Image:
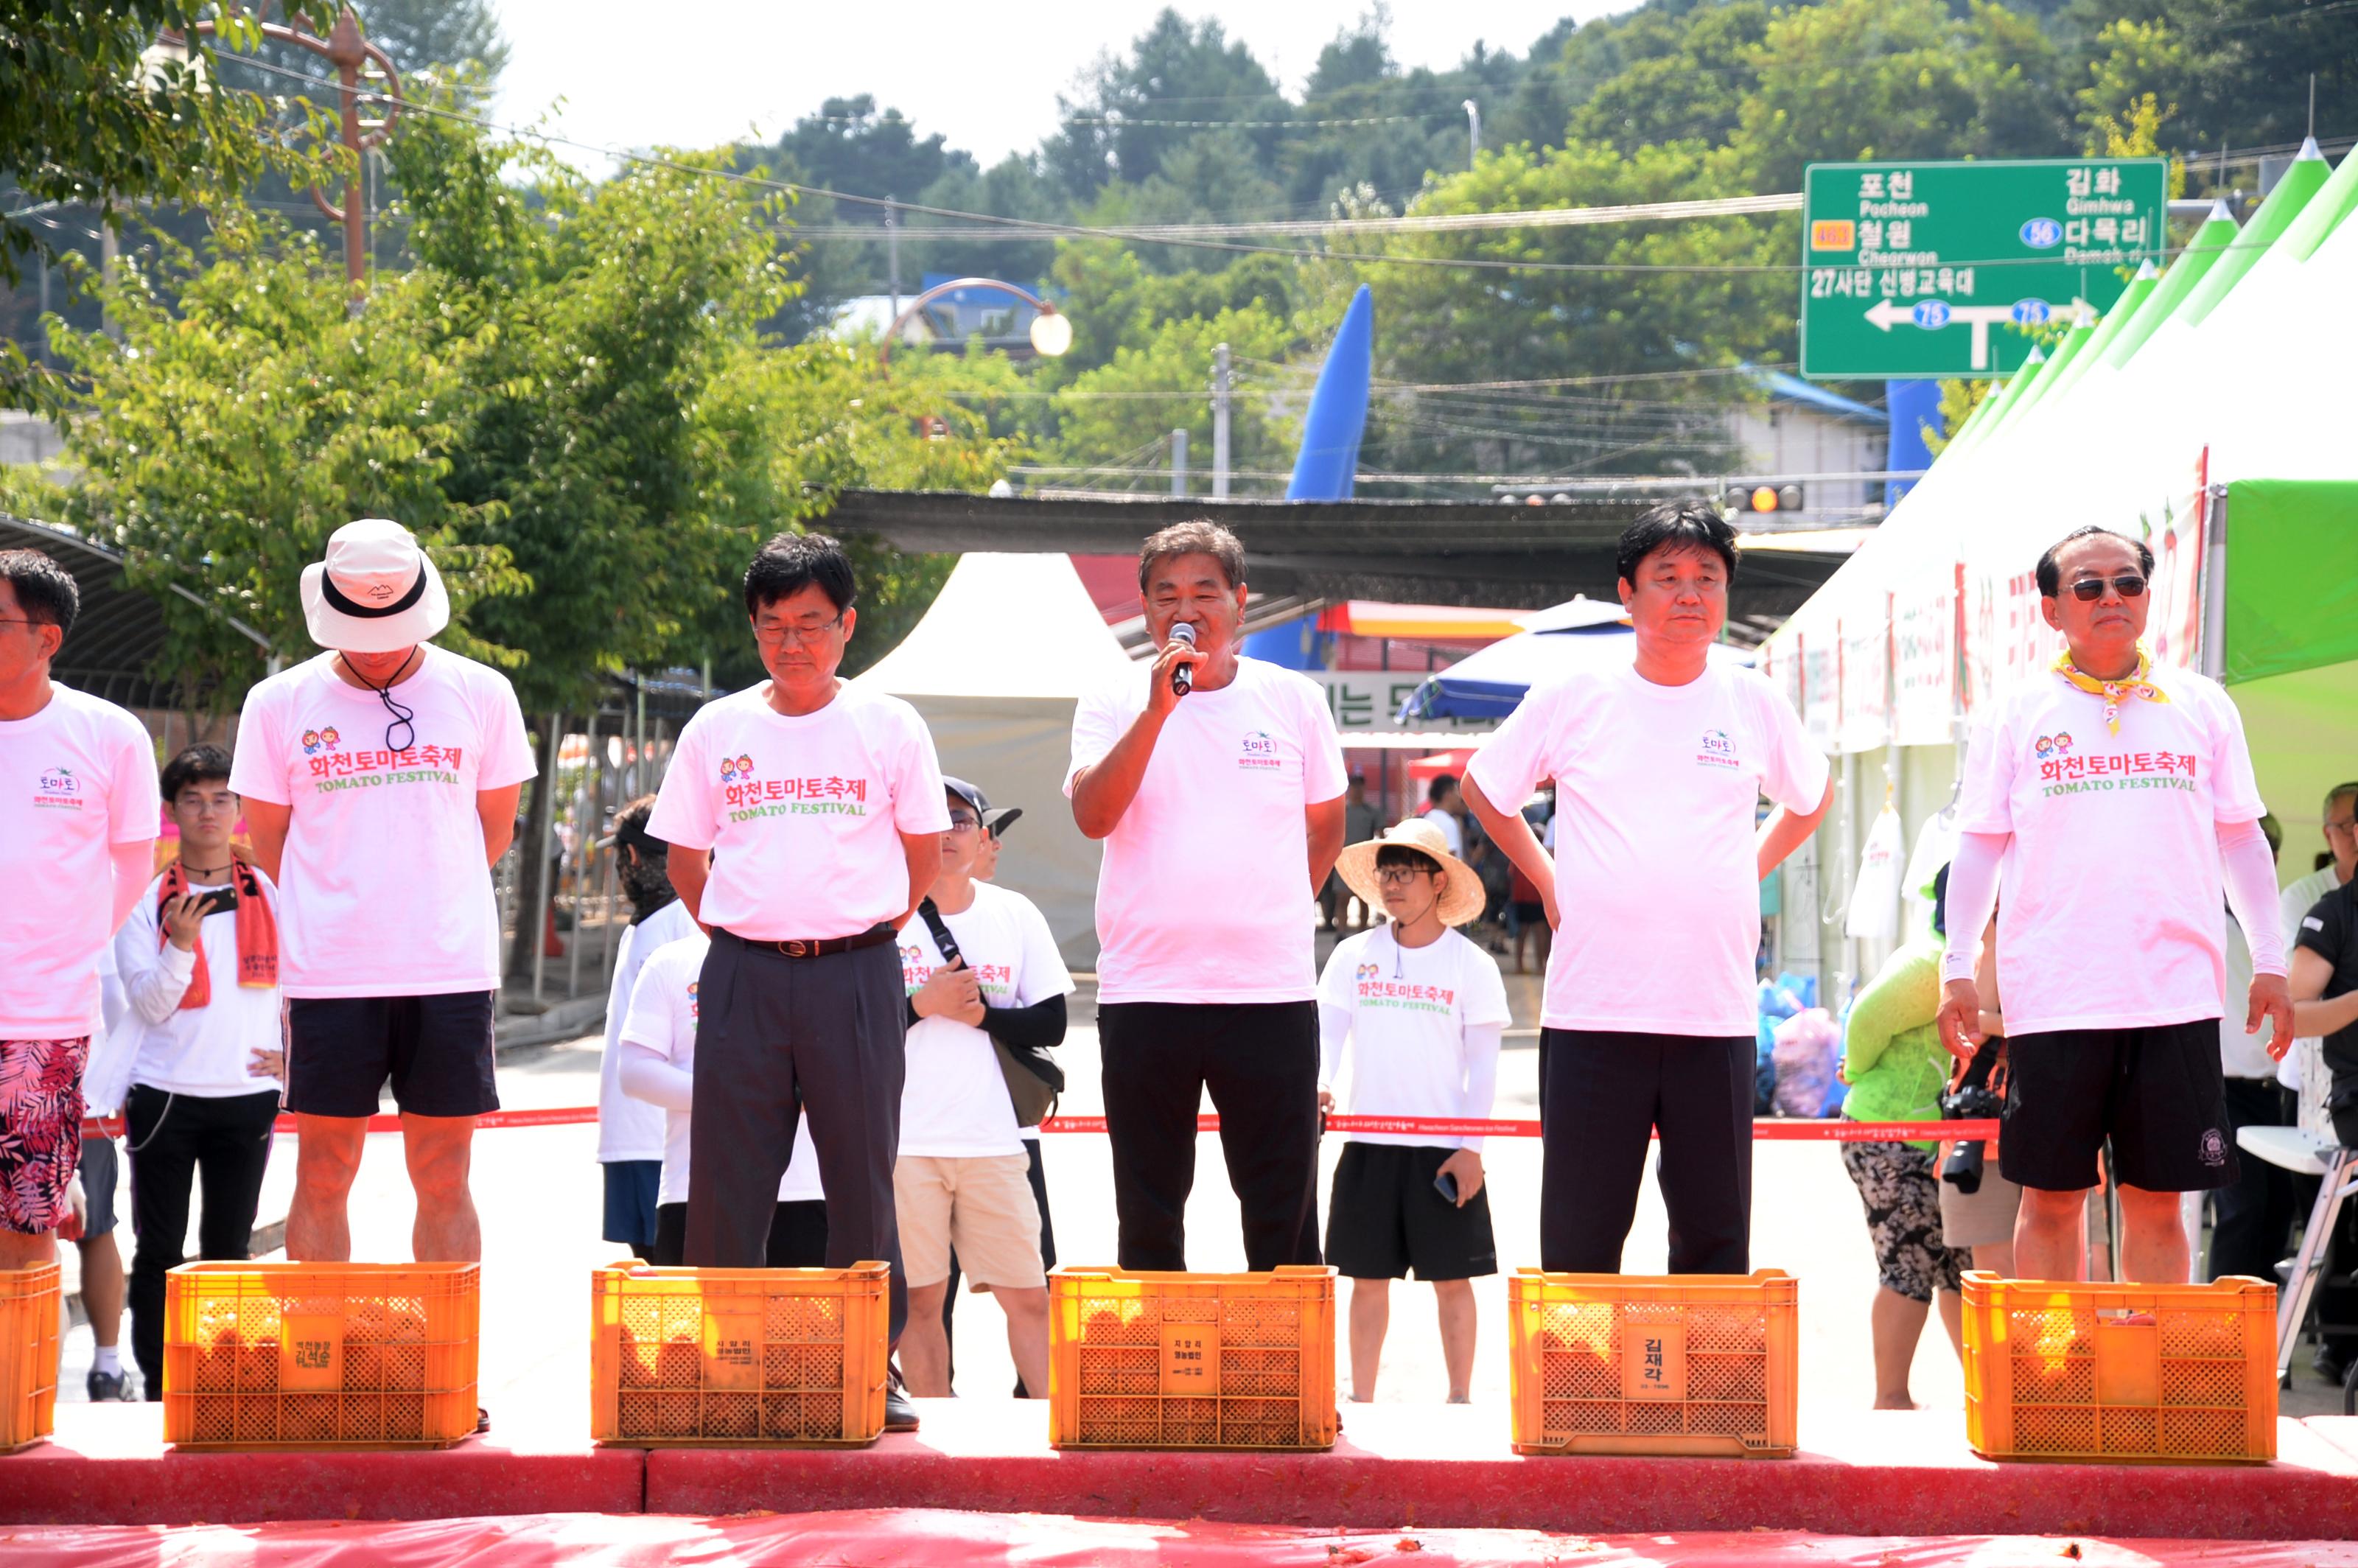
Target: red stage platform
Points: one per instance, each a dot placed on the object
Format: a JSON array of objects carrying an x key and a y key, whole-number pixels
[
  {"x": 1865, "y": 1474},
  {"x": 921, "y": 1537}
]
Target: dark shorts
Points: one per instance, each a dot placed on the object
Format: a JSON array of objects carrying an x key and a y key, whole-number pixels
[
  {"x": 99, "y": 1178},
  {"x": 1385, "y": 1218},
  {"x": 2155, "y": 1091},
  {"x": 435, "y": 1050},
  {"x": 798, "y": 1236},
  {"x": 631, "y": 1189}
]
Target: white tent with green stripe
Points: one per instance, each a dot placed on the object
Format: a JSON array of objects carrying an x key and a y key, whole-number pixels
[{"x": 2200, "y": 414}]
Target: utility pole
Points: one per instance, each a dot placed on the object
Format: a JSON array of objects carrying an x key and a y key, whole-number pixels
[
  {"x": 109, "y": 257},
  {"x": 893, "y": 252},
  {"x": 1473, "y": 131},
  {"x": 1179, "y": 460},
  {"x": 1220, "y": 387}
]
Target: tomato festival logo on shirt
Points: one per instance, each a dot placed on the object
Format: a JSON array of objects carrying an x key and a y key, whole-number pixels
[
  {"x": 57, "y": 789},
  {"x": 332, "y": 768},
  {"x": 1366, "y": 972},
  {"x": 2062, "y": 773},
  {"x": 1259, "y": 752},
  {"x": 747, "y": 797},
  {"x": 691, "y": 998},
  {"x": 1405, "y": 994},
  {"x": 1717, "y": 750}
]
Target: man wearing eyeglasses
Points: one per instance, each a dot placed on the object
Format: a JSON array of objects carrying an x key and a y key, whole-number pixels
[
  {"x": 822, "y": 808},
  {"x": 380, "y": 783},
  {"x": 2113, "y": 797}
]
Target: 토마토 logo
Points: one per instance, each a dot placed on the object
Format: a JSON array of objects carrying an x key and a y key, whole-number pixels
[
  {"x": 323, "y": 739},
  {"x": 733, "y": 769}
]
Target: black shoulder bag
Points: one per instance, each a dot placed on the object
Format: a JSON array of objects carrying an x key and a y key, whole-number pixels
[{"x": 1033, "y": 1080}]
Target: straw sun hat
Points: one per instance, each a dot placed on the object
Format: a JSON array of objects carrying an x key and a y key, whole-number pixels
[{"x": 1462, "y": 895}]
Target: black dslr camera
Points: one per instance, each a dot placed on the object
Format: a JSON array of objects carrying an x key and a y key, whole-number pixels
[{"x": 1972, "y": 1100}]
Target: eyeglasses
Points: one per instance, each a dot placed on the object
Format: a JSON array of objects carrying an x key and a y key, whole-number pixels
[
  {"x": 961, "y": 823},
  {"x": 2333, "y": 826},
  {"x": 2088, "y": 589},
  {"x": 1404, "y": 875},
  {"x": 807, "y": 632}
]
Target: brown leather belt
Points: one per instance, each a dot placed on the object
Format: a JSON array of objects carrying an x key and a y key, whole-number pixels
[{"x": 815, "y": 947}]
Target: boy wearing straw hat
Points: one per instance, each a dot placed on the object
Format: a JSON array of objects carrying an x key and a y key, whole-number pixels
[
  {"x": 380, "y": 783},
  {"x": 1419, "y": 1011}
]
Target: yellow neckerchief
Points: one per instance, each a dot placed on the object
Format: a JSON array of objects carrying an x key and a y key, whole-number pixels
[{"x": 2114, "y": 692}]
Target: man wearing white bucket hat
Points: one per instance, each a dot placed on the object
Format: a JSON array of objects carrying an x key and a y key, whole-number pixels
[
  {"x": 380, "y": 782},
  {"x": 1420, "y": 1011}
]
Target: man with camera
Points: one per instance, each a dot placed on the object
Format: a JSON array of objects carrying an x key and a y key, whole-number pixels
[{"x": 2115, "y": 798}]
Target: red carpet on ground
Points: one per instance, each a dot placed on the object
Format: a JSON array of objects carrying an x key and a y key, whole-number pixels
[{"x": 922, "y": 1538}]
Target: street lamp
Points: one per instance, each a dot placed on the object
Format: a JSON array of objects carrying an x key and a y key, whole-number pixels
[
  {"x": 349, "y": 53},
  {"x": 1052, "y": 330}
]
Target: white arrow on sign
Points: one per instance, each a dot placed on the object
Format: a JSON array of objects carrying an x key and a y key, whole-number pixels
[{"x": 1931, "y": 315}]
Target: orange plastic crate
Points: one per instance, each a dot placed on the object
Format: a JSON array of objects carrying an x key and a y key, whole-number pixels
[
  {"x": 2174, "y": 1374},
  {"x": 1140, "y": 1359},
  {"x": 321, "y": 1355},
  {"x": 738, "y": 1358},
  {"x": 28, "y": 1355},
  {"x": 1637, "y": 1364}
]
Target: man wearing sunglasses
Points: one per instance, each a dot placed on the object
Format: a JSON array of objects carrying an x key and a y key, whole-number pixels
[
  {"x": 380, "y": 783},
  {"x": 2113, "y": 797}
]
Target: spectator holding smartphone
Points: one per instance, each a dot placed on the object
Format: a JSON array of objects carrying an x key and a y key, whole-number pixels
[
  {"x": 1419, "y": 1011},
  {"x": 199, "y": 1048}
]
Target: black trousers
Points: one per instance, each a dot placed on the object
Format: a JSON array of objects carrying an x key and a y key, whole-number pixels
[
  {"x": 176, "y": 1142},
  {"x": 1260, "y": 1060},
  {"x": 2251, "y": 1227},
  {"x": 774, "y": 1036},
  {"x": 1602, "y": 1096}
]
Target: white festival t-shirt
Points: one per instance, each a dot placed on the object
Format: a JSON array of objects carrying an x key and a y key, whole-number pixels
[
  {"x": 1656, "y": 870},
  {"x": 630, "y": 1127},
  {"x": 805, "y": 814},
  {"x": 663, "y": 1019},
  {"x": 954, "y": 1101},
  {"x": 2110, "y": 896},
  {"x": 204, "y": 1052},
  {"x": 1410, "y": 1008},
  {"x": 76, "y": 779},
  {"x": 1204, "y": 896},
  {"x": 383, "y": 885}
]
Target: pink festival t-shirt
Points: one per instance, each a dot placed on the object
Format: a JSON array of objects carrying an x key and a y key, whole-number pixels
[
  {"x": 2111, "y": 909},
  {"x": 1655, "y": 873},
  {"x": 805, "y": 814},
  {"x": 76, "y": 779},
  {"x": 383, "y": 890},
  {"x": 1204, "y": 892}
]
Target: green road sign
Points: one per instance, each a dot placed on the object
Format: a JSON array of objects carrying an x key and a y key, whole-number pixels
[{"x": 1930, "y": 269}]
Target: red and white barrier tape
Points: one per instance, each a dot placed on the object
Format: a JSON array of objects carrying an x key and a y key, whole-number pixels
[{"x": 1765, "y": 1129}]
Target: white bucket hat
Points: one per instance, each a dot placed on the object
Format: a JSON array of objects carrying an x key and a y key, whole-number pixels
[{"x": 376, "y": 592}]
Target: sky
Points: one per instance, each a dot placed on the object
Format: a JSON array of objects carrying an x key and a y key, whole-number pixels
[{"x": 700, "y": 72}]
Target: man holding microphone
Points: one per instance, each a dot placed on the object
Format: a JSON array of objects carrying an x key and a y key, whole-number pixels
[{"x": 1216, "y": 783}]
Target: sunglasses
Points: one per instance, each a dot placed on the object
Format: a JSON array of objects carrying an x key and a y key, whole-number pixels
[{"x": 2088, "y": 589}]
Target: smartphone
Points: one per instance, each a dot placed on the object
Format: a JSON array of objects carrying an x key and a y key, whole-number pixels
[
  {"x": 1445, "y": 1185},
  {"x": 218, "y": 901}
]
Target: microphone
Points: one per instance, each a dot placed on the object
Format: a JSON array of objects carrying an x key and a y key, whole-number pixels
[{"x": 1182, "y": 679}]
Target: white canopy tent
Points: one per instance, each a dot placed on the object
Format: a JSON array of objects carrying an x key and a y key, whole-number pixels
[{"x": 995, "y": 668}]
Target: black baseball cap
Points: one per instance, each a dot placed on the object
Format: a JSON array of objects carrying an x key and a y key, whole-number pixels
[{"x": 995, "y": 819}]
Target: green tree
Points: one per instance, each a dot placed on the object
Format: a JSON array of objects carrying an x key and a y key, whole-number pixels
[
  {"x": 89, "y": 117},
  {"x": 1144, "y": 391},
  {"x": 1899, "y": 79},
  {"x": 245, "y": 416},
  {"x": 418, "y": 34}
]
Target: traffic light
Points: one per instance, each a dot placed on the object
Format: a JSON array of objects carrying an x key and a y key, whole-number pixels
[{"x": 1762, "y": 500}]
